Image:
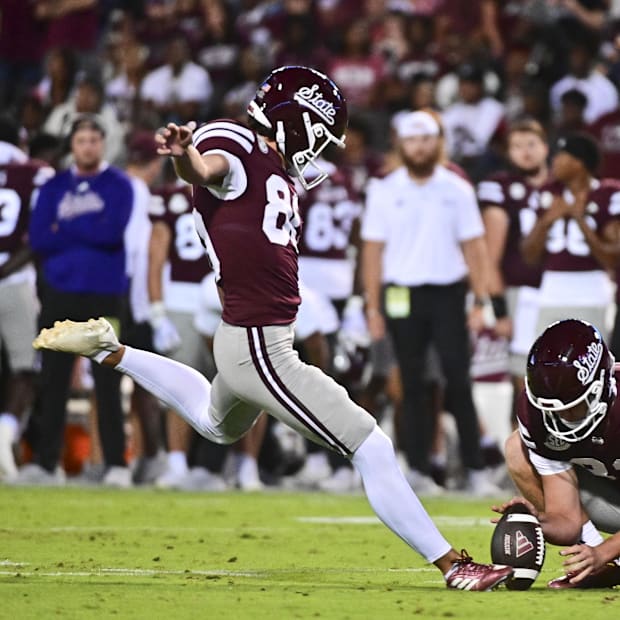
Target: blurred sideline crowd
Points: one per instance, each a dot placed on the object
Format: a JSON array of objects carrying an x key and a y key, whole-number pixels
[{"x": 524, "y": 94}]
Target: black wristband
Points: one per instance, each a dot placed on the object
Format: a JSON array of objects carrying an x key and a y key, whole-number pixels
[{"x": 500, "y": 308}]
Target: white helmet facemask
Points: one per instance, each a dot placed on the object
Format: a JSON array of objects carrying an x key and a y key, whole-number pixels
[
  {"x": 302, "y": 162},
  {"x": 551, "y": 409}
]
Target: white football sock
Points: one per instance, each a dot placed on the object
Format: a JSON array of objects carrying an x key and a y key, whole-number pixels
[
  {"x": 247, "y": 470},
  {"x": 177, "y": 462},
  {"x": 11, "y": 423},
  {"x": 179, "y": 386},
  {"x": 590, "y": 535},
  {"x": 393, "y": 500}
]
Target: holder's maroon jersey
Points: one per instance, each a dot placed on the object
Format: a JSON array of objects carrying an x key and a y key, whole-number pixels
[
  {"x": 172, "y": 205},
  {"x": 249, "y": 224},
  {"x": 566, "y": 247},
  {"x": 510, "y": 192},
  {"x": 17, "y": 183},
  {"x": 599, "y": 452}
]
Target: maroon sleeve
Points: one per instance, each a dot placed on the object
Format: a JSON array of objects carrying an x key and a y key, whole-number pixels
[
  {"x": 491, "y": 192},
  {"x": 225, "y": 135}
]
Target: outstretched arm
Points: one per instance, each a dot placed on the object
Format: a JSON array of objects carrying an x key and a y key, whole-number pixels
[{"x": 194, "y": 168}]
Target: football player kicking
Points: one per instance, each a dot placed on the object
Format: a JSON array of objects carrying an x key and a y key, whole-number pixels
[
  {"x": 245, "y": 210},
  {"x": 565, "y": 457}
]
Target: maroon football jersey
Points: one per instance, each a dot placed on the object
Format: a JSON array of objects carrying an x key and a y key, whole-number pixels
[
  {"x": 172, "y": 205},
  {"x": 17, "y": 182},
  {"x": 250, "y": 226},
  {"x": 606, "y": 130},
  {"x": 566, "y": 247},
  {"x": 328, "y": 212},
  {"x": 599, "y": 452},
  {"x": 511, "y": 192}
]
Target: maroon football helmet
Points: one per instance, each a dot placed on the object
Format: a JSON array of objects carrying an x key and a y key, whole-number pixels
[
  {"x": 303, "y": 111},
  {"x": 567, "y": 365}
]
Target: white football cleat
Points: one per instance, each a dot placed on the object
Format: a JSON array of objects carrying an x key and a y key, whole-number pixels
[
  {"x": 344, "y": 480},
  {"x": 480, "y": 485},
  {"x": 117, "y": 477},
  {"x": 422, "y": 484},
  {"x": 172, "y": 479},
  {"x": 88, "y": 338},
  {"x": 201, "y": 479},
  {"x": 32, "y": 474}
]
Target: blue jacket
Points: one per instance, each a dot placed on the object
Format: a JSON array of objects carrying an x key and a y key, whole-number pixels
[{"x": 77, "y": 229}]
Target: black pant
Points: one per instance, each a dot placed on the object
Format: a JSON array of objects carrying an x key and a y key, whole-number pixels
[
  {"x": 614, "y": 341},
  {"x": 437, "y": 315},
  {"x": 56, "y": 372}
]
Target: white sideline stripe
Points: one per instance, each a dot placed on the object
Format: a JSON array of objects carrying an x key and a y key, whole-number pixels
[
  {"x": 132, "y": 572},
  {"x": 441, "y": 520}
]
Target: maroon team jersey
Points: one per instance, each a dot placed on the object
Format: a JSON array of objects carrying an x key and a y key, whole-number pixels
[
  {"x": 566, "y": 247},
  {"x": 250, "y": 225},
  {"x": 172, "y": 205},
  {"x": 606, "y": 130},
  {"x": 599, "y": 452},
  {"x": 17, "y": 182},
  {"x": 511, "y": 192},
  {"x": 328, "y": 212}
]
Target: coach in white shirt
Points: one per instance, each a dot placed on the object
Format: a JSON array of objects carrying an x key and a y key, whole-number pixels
[{"x": 423, "y": 238}]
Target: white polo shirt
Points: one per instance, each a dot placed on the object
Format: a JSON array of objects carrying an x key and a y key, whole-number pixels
[{"x": 422, "y": 226}]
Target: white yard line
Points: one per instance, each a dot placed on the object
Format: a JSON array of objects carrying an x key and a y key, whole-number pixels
[
  {"x": 440, "y": 520},
  {"x": 139, "y": 572}
]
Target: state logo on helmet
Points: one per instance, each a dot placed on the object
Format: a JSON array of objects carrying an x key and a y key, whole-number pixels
[
  {"x": 303, "y": 111},
  {"x": 570, "y": 364}
]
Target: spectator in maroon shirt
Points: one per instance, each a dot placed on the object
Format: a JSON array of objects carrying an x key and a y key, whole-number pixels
[
  {"x": 607, "y": 131},
  {"x": 357, "y": 71},
  {"x": 22, "y": 39},
  {"x": 70, "y": 23}
]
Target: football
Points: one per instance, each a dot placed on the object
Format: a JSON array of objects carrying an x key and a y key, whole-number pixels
[{"x": 518, "y": 541}]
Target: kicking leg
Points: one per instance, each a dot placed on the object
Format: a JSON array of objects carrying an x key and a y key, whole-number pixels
[
  {"x": 393, "y": 500},
  {"x": 180, "y": 387},
  {"x": 400, "y": 509}
]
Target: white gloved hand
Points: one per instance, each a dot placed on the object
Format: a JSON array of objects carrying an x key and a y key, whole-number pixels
[{"x": 165, "y": 335}]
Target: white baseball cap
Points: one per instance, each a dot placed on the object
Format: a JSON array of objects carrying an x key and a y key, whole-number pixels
[{"x": 416, "y": 124}]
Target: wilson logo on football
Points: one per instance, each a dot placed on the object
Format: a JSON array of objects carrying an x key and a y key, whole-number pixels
[
  {"x": 310, "y": 97},
  {"x": 524, "y": 544}
]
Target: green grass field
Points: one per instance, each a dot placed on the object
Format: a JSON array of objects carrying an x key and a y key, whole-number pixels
[{"x": 92, "y": 553}]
